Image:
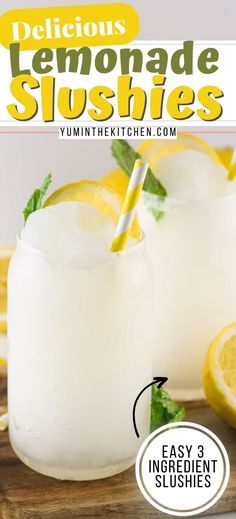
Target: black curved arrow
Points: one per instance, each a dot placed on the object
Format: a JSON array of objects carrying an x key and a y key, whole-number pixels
[{"x": 160, "y": 381}]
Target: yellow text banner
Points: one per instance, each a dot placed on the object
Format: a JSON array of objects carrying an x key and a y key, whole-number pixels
[{"x": 69, "y": 26}]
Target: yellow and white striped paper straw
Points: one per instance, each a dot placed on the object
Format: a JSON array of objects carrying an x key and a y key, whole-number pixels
[{"x": 129, "y": 205}]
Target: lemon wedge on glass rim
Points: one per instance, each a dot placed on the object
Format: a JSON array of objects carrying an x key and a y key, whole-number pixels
[
  {"x": 105, "y": 199},
  {"x": 219, "y": 374}
]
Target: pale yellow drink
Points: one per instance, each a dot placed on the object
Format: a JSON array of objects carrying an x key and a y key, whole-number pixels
[
  {"x": 80, "y": 321},
  {"x": 192, "y": 248}
]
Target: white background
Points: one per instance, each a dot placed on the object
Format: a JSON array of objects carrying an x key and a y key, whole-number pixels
[{"x": 167, "y": 20}]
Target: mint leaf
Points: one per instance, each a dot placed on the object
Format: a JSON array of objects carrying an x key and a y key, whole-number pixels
[
  {"x": 164, "y": 409},
  {"x": 125, "y": 157},
  {"x": 35, "y": 201}
]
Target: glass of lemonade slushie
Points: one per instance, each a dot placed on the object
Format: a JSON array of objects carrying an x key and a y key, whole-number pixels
[{"x": 80, "y": 321}]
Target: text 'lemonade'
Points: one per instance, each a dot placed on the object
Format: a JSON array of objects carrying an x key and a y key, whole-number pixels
[
  {"x": 79, "y": 333},
  {"x": 193, "y": 252}
]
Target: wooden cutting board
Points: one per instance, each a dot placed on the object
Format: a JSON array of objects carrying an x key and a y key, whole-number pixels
[{"x": 24, "y": 494}]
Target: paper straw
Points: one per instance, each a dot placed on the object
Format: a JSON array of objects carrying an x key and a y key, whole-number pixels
[{"x": 129, "y": 205}]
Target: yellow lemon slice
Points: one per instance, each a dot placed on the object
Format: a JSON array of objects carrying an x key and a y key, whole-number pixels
[
  {"x": 219, "y": 374},
  {"x": 227, "y": 158},
  {"x": 5, "y": 256},
  {"x": 104, "y": 198},
  {"x": 3, "y": 323},
  {"x": 117, "y": 179},
  {"x": 153, "y": 149},
  {"x": 225, "y": 155}
]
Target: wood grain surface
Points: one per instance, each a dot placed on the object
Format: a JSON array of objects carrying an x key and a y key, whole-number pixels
[{"x": 25, "y": 494}]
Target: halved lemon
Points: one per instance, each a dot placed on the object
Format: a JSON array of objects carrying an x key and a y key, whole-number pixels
[
  {"x": 5, "y": 256},
  {"x": 219, "y": 374},
  {"x": 104, "y": 198}
]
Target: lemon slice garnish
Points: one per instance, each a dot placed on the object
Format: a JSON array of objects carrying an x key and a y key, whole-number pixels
[
  {"x": 227, "y": 158},
  {"x": 153, "y": 149},
  {"x": 104, "y": 198}
]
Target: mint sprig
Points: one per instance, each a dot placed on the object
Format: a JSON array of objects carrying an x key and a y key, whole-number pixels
[
  {"x": 35, "y": 201},
  {"x": 164, "y": 409},
  {"x": 125, "y": 157}
]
